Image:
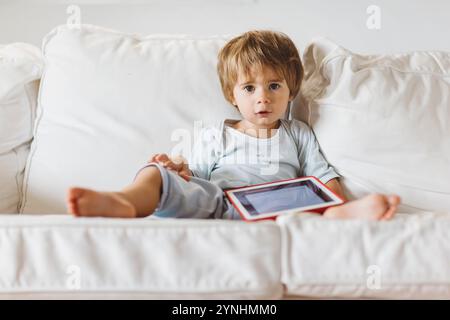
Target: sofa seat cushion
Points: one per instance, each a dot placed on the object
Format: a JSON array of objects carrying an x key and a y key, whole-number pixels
[
  {"x": 407, "y": 257},
  {"x": 79, "y": 257}
]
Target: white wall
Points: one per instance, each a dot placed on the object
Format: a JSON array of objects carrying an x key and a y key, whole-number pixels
[{"x": 405, "y": 25}]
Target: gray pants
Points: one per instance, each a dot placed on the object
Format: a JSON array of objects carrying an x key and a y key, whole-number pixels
[{"x": 198, "y": 198}]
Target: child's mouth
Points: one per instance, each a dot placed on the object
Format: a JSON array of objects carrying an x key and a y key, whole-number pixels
[{"x": 263, "y": 113}]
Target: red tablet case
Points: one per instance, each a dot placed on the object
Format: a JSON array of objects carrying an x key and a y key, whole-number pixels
[{"x": 318, "y": 210}]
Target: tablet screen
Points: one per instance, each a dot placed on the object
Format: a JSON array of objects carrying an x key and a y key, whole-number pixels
[{"x": 282, "y": 197}]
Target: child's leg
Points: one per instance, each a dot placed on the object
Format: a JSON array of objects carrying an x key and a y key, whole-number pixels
[
  {"x": 137, "y": 200},
  {"x": 371, "y": 207}
]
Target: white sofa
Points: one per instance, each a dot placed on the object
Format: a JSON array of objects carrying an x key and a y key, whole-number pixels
[{"x": 108, "y": 100}]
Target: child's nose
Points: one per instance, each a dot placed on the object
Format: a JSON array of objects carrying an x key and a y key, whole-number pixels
[{"x": 263, "y": 97}]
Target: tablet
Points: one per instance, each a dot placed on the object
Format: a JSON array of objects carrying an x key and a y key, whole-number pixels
[{"x": 268, "y": 200}]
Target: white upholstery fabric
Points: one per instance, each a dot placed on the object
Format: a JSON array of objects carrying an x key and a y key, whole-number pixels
[
  {"x": 407, "y": 257},
  {"x": 77, "y": 257},
  {"x": 308, "y": 256},
  {"x": 383, "y": 121},
  {"x": 109, "y": 101},
  {"x": 12, "y": 166},
  {"x": 20, "y": 70}
]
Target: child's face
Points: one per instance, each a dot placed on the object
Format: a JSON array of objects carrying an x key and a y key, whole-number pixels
[{"x": 261, "y": 98}]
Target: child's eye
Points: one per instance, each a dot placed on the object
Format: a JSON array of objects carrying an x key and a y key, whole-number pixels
[
  {"x": 274, "y": 86},
  {"x": 249, "y": 88}
]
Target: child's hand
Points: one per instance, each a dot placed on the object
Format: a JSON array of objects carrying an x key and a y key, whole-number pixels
[{"x": 177, "y": 164}]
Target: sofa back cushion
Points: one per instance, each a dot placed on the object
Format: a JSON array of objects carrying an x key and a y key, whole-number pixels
[
  {"x": 20, "y": 70},
  {"x": 108, "y": 101},
  {"x": 383, "y": 121}
]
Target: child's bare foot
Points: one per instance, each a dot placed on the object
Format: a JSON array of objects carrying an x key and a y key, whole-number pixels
[
  {"x": 371, "y": 207},
  {"x": 85, "y": 202}
]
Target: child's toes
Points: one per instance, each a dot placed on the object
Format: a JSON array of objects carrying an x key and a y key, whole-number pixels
[
  {"x": 389, "y": 214},
  {"x": 393, "y": 200},
  {"x": 72, "y": 208},
  {"x": 74, "y": 193},
  {"x": 393, "y": 203}
]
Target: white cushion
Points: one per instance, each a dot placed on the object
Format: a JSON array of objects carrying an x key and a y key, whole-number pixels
[
  {"x": 407, "y": 257},
  {"x": 20, "y": 70},
  {"x": 383, "y": 121},
  {"x": 108, "y": 101},
  {"x": 139, "y": 257}
]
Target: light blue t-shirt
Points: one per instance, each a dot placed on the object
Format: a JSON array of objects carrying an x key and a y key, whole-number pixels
[{"x": 230, "y": 158}]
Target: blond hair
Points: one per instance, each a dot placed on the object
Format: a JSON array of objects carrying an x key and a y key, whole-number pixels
[{"x": 259, "y": 48}]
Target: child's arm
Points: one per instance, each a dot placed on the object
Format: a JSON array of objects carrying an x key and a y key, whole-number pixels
[
  {"x": 336, "y": 187},
  {"x": 177, "y": 164}
]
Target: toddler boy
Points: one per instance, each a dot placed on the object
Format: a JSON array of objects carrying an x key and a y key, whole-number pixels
[{"x": 260, "y": 73}]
